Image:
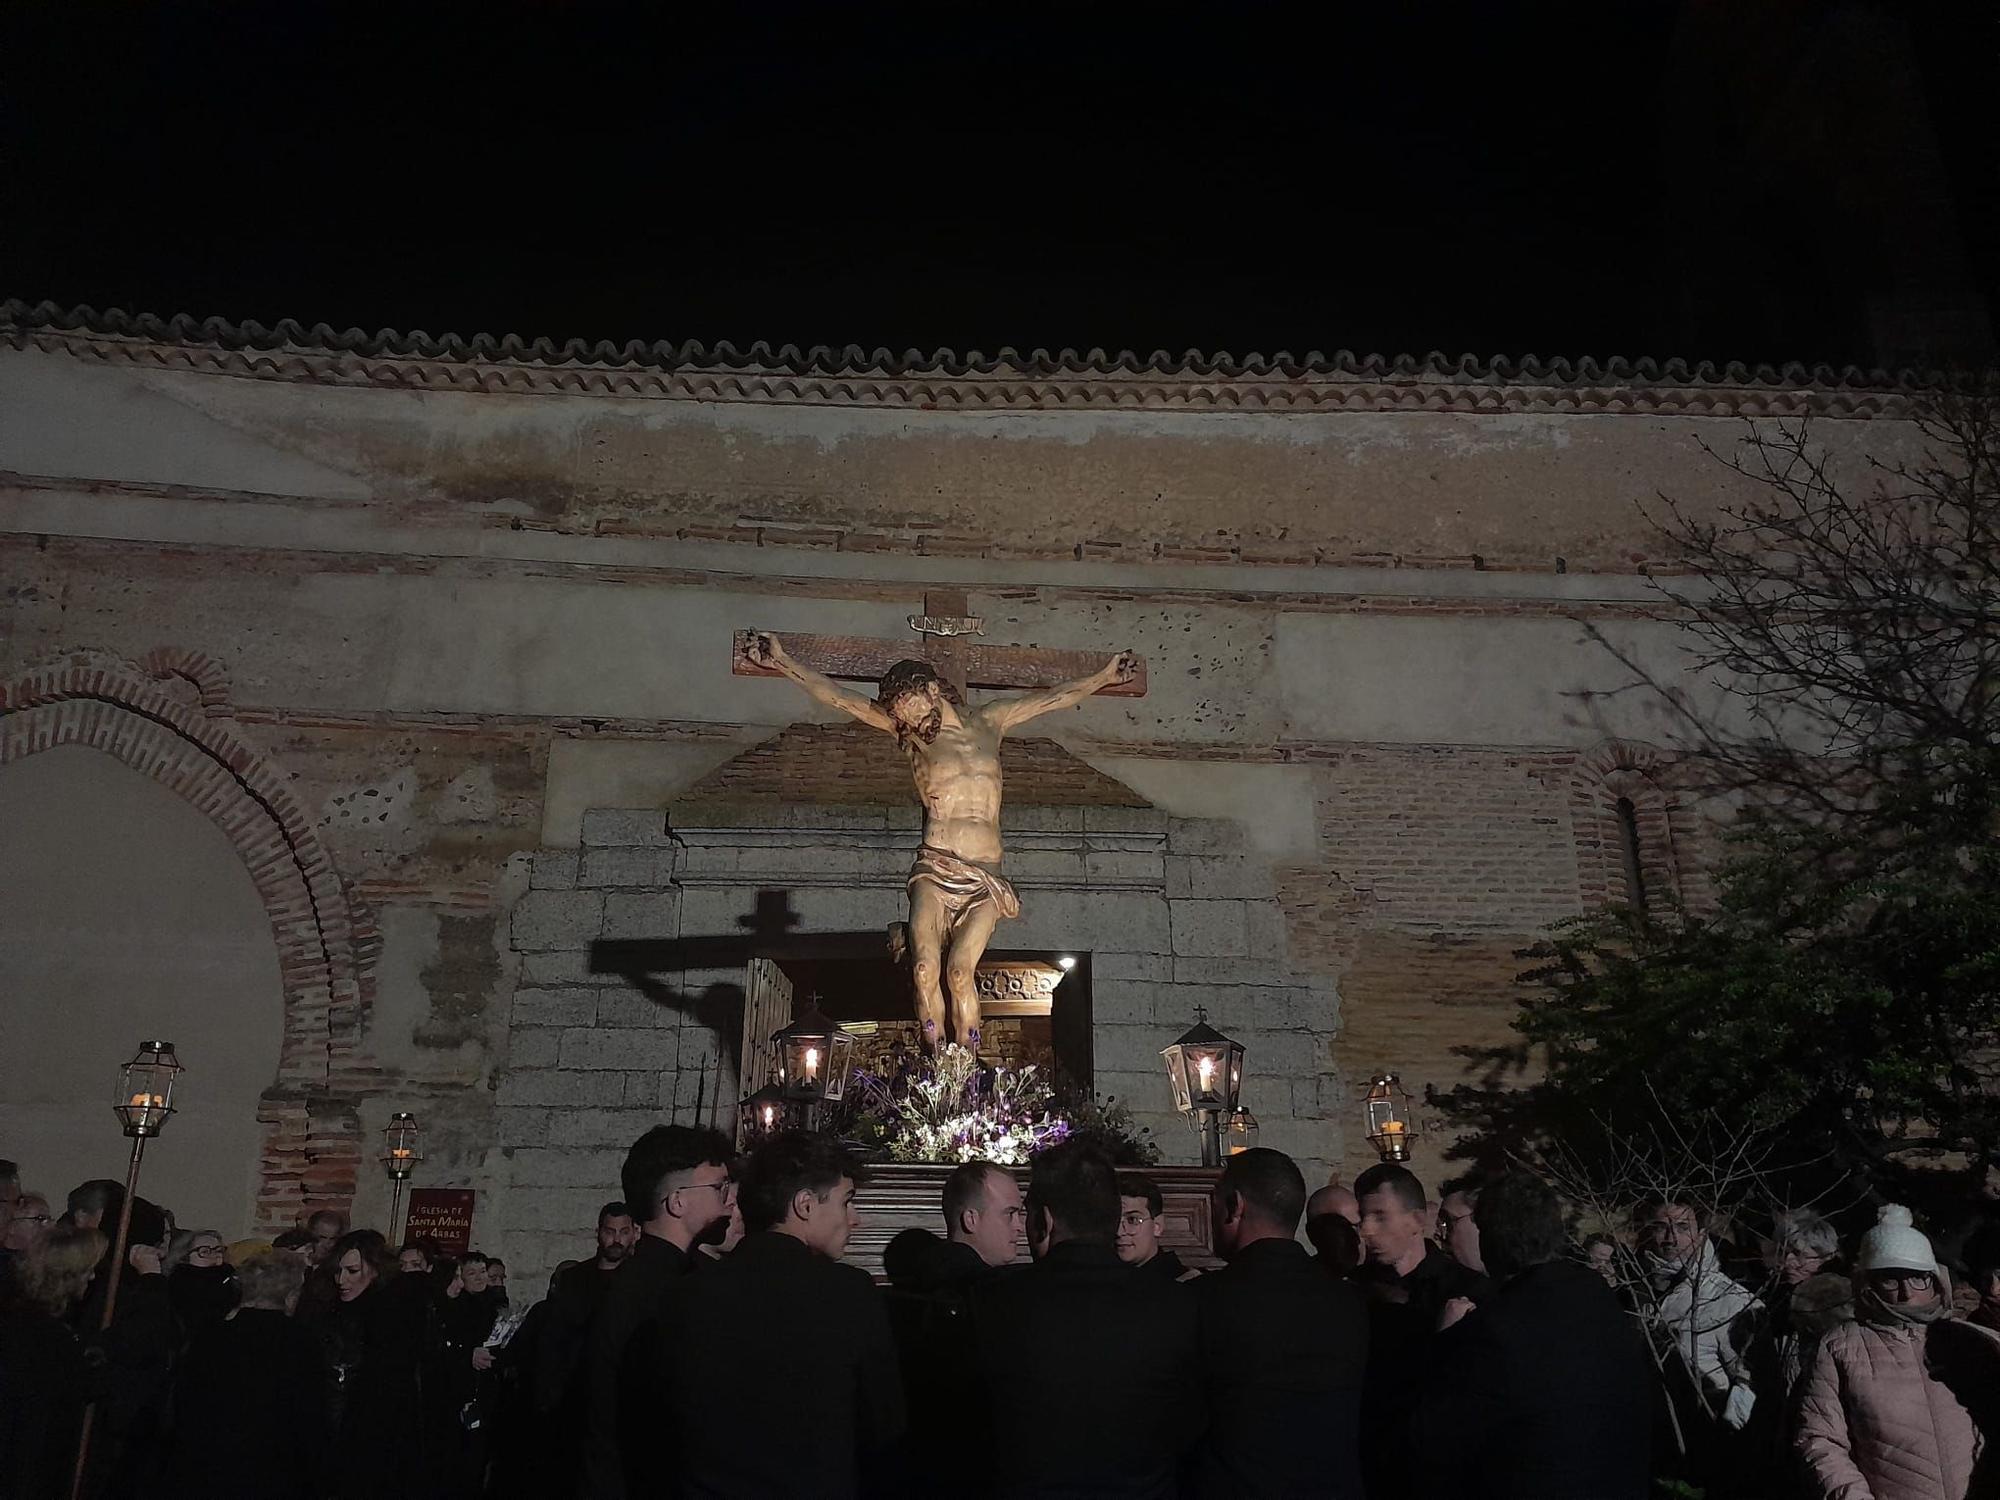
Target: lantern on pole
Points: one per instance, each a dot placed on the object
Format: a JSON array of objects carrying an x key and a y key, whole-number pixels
[
  {"x": 143, "y": 1102},
  {"x": 402, "y": 1150},
  {"x": 1387, "y": 1113},
  {"x": 1240, "y": 1134},
  {"x": 1206, "y": 1071},
  {"x": 814, "y": 1058},
  {"x": 764, "y": 1113},
  {"x": 145, "y": 1093}
]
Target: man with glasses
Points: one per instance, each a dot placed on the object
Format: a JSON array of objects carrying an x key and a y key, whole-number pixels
[
  {"x": 1141, "y": 1208},
  {"x": 778, "y": 1373},
  {"x": 677, "y": 1183},
  {"x": 1458, "y": 1231}
]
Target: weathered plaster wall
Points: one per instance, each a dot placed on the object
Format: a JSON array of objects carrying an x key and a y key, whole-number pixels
[{"x": 1510, "y": 488}]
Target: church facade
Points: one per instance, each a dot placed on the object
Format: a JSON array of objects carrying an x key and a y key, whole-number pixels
[{"x": 368, "y": 724}]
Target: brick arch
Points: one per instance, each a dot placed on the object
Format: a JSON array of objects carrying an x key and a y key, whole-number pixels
[
  {"x": 139, "y": 713},
  {"x": 1641, "y": 773}
]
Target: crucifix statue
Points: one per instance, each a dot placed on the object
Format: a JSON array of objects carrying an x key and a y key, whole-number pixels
[{"x": 957, "y": 893}]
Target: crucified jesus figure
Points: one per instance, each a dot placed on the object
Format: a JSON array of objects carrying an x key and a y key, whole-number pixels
[{"x": 957, "y": 892}]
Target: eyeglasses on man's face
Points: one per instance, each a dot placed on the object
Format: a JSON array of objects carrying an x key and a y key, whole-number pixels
[{"x": 726, "y": 1187}]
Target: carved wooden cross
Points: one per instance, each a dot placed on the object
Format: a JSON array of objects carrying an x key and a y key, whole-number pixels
[{"x": 942, "y": 630}]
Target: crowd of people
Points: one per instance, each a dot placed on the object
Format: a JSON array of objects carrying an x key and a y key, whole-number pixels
[{"x": 711, "y": 1343}]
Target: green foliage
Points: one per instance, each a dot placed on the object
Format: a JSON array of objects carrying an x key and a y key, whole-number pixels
[{"x": 1843, "y": 990}]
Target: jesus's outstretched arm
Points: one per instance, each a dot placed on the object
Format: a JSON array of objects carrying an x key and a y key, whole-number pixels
[
  {"x": 766, "y": 650},
  {"x": 1005, "y": 713}
]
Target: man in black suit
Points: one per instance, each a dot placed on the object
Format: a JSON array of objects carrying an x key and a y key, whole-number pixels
[
  {"x": 1542, "y": 1391},
  {"x": 1408, "y": 1281},
  {"x": 1093, "y": 1382},
  {"x": 677, "y": 1184},
  {"x": 931, "y": 1283},
  {"x": 1283, "y": 1345},
  {"x": 778, "y": 1370}
]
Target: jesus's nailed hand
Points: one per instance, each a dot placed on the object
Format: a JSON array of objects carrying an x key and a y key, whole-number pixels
[
  {"x": 1123, "y": 667},
  {"x": 766, "y": 650}
]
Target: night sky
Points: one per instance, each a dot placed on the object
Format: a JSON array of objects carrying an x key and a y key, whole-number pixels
[{"x": 1387, "y": 178}]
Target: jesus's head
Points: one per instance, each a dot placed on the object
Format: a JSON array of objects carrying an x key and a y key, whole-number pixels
[{"x": 913, "y": 696}]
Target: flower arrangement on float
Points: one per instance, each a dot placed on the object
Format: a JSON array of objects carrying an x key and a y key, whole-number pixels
[{"x": 953, "y": 1108}]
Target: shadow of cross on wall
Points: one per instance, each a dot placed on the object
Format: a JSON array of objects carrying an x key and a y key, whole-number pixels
[{"x": 647, "y": 964}]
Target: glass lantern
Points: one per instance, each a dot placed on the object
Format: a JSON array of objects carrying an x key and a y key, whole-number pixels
[
  {"x": 814, "y": 1058},
  {"x": 1387, "y": 1112},
  {"x": 764, "y": 1113},
  {"x": 1241, "y": 1132},
  {"x": 401, "y": 1148},
  {"x": 146, "y": 1089},
  {"x": 1206, "y": 1071},
  {"x": 1205, "y": 1067}
]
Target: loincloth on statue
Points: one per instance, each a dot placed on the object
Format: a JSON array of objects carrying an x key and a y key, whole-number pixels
[{"x": 962, "y": 885}]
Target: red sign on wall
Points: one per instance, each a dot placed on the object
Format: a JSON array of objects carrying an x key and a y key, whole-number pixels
[{"x": 441, "y": 1215}]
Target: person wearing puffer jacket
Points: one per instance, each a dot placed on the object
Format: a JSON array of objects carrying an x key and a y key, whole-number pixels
[
  {"x": 1901, "y": 1403},
  {"x": 1700, "y": 1320}
]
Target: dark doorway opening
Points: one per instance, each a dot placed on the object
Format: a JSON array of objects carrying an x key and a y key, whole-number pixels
[{"x": 1034, "y": 1007}]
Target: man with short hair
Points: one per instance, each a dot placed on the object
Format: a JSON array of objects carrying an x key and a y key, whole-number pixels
[
  {"x": 983, "y": 1218},
  {"x": 326, "y": 1226},
  {"x": 1542, "y": 1392},
  {"x": 30, "y": 1224},
  {"x": 414, "y": 1258},
  {"x": 1334, "y": 1199},
  {"x": 677, "y": 1183},
  {"x": 1458, "y": 1229},
  {"x": 778, "y": 1371},
  {"x": 1283, "y": 1344},
  {"x": 1409, "y": 1282},
  {"x": 1093, "y": 1371},
  {"x": 1140, "y": 1227},
  {"x": 558, "y": 1390},
  {"x": 95, "y": 1204},
  {"x": 1700, "y": 1320},
  {"x": 931, "y": 1281}
]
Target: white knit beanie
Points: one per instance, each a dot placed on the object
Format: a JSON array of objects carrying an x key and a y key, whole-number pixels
[{"x": 1895, "y": 1245}]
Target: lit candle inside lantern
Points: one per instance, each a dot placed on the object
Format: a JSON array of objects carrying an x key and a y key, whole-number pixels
[
  {"x": 1392, "y": 1127},
  {"x": 401, "y": 1153},
  {"x": 812, "y": 1062},
  {"x": 149, "y": 1101},
  {"x": 1207, "y": 1066},
  {"x": 770, "y": 1116}
]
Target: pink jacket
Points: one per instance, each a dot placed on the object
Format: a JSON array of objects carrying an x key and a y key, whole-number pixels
[{"x": 1884, "y": 1412}]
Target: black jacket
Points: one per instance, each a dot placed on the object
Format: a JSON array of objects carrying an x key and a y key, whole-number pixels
[
  {"x": 1544, "y": 1392},
  {"x": 373, "y": 1348},
  {"x": 1165, "y": 1266},
  {"x": 564, "y": 1333},
  {"x": 1283, "y": 1347},
  {"x": 45, "y": 1383},
  {"x": 778, "y": 1377},
  {"x": 628, "y": 1314},
  {"x": 1402, "y": 1326},
  {"x": 931, "y": 1282},
  {"x": 249, "y": 1410},
  {"x": 1093, "y": 1381}
]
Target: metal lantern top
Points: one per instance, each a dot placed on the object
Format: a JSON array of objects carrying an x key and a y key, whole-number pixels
[
  {"x": 814, "y": 1058},
  {"x": 1387, "y": 1110},
  {"x": 145, "y": 1094},
  {"x": 1205, "y": 1067},
  {"x": 764, "y": 1112},
  {"x": 401, "y": 1148}
]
